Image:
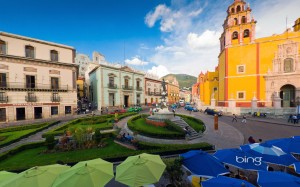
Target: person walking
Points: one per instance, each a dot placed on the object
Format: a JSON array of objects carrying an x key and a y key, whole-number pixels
[
  {"x": 173, "y": 112},
  {"x": 106, "y": 110},
  {"x": 234, "y": 118},
  {"x": 295, "y": 119},
  {"x": 244, "y": 119}
]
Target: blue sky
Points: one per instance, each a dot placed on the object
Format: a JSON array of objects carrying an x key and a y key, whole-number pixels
[{"x": 164, "y": 36}]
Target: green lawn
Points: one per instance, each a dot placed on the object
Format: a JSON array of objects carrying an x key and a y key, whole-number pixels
[
  {"x": 196, "y": 125},
  {"x": 10, "y": 136},
  {"x": 34, "y": 157},
  {"x": 140, "y": 126}
]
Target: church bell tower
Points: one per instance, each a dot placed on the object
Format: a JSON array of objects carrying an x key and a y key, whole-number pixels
[{"x": 239, "y": 25}]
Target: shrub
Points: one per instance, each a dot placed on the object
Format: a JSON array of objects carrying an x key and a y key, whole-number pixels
[
  {"x": 172, "y": 126},
  {"x": 50, "y": 142},
  {"x": 97, "y": 136}
]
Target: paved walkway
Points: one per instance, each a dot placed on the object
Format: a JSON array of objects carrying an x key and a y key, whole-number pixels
[{"x": 38, "y": 136}]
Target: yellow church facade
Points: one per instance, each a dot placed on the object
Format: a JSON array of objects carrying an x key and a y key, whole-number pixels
[{"x": 264, "y": 69}]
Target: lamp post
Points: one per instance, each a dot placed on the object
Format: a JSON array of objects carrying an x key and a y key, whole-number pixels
[{"x": 298, "y": 104}]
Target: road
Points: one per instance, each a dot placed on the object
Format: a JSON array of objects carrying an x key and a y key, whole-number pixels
[{"x": 257, "y": 129}]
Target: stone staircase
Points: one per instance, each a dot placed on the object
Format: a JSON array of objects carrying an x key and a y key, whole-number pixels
[{"x": 181, "y": 123}]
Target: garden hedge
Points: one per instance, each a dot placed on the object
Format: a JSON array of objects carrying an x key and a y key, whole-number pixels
[{"x": 38, "y": 129}]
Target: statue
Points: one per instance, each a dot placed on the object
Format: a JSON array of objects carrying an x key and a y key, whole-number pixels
[{"x": 163, "y": 84}]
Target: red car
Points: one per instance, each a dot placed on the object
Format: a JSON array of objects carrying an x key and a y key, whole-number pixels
[{"x": 119, "y": 111}]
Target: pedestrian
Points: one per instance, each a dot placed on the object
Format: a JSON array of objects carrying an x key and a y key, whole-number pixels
[
  {"x": 295, "y": 118},
  {"x": 251, "y": 140},
  {"x": 234, "y": 118},
  {"x": 244, "y": 119},
  {"x": 173, "y": 112},
  {"x": 260, "y": 140},
  {"x": 290, "y": 118},
  {"x": 107, "y": 109}
]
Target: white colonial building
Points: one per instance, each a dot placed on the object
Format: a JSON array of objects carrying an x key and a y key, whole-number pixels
[
  {"x": 37, "y": 78},
  {"x": 153, "y": 90}
]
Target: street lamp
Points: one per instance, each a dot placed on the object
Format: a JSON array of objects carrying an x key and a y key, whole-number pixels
[{"x": 298, "y": 104}]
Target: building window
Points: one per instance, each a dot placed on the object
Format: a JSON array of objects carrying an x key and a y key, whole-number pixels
[
  {"x": 68, "y": 110},
  {"x": 238, "y": 8},
  {"x": 54, "y": 110},
  {"x": 288, "y": 65},
  {"x": 215, "y": 89},
  {"x": 232, "y": 10},
  {"x": 55, "y": 97},
  {"x": 2, "y": 47},
  {"x": 111, "y": 99},
  {"x": 246, "y": 33},
  {"x": 138, "y": 99},
  {"x": 2, "y": 114},
  {"x": 74, "y": 79},
  {"x": 235, "y": 35},
  {"x": 241, "y": 69},
  {"x": 235, "y": 21},
  {"x": 244, "y": 20},
  {"x": 29, "y": 51},
  {"x": 149, "y": 91},
  {"x": 111, "y": 81},
  {"x": 138, "y": 84},
  {"x": 126, "y": 83},
  {"x": 54, "y": 55},
  {"x": 3, "y": 83},
  {"x": 54, "y": 83},
  {"x": 30, "y": 81},
  {"x": 241, "y": 95}
]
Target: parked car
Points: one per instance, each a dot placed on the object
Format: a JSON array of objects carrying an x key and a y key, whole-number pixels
[
  {"x": 134, "y": 109},
  {"x": 213, "y": 112},
  {"x": 119, "y": 111},
  {"x": 190, "y": 108},
  {"x": 187, "y": 106},
  {"x": 181, "y": 102}
]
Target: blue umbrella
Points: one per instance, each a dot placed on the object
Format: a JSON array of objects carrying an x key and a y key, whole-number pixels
[
  {"x": 203, "y": 164},
  {"x": 241, "y": 159},
  {"x": 296, "y": 165},
  {"x": 222, "y": 181},
  {"x": 277, "y": 179},
  {"x": 288, "y": 145},
  {"x": 269, "y": 153}
]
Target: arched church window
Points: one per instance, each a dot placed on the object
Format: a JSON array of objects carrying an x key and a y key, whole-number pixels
[
  {"x": 246, "y": 33},
  {"x": 288, "y": 65},
  {"x": 244, "y": 20},
  {"x": 235, "y": 35},
  {"x": 232, "y": 10},
  {"x": 235, "y": 21},
  {"x": 238, "y": 8}
]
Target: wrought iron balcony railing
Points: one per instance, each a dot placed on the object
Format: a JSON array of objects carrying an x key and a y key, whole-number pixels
[
  {"x": 31, "y": 98},
  {"x": 112, "y": 86},
  {"x": 125, "y": 87},
  {"x": 139, "y": 88},
  {"x": 55, "y": 98},
  {"x": 157, "y": 94},
  {"x": 19, "y": 86},
  {"x": 3, "y": 99}
]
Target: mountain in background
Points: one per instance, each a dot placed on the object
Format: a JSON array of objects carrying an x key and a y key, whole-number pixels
[{"x": 184, "y": 80}]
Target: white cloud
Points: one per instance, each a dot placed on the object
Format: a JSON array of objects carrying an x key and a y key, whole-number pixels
[
  {"x": 152, "y": 17},
  {"x": 136, "y": 61},
  {"x": 159, "y": 70},
  {"x": 190, "y": 42},
  {"x": 206, "y": 39}
]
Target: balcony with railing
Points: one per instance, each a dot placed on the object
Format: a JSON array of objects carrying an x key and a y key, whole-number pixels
[
  {"x": 157, "y": 93},
  {"x": 3, "y": 99},
  {"x": 55, "y": 98},
  {"x": 112, "y": 86},
  {"x": 139, "y": 88},
  {"x": 21, "y": 86},
  {"x": 126, "y": 87},
  {"x": 30, "y": 98}
]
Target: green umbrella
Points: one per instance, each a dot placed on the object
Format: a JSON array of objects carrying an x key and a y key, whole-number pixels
[
  {"x": 35, "y": 177},
  {"x": 4, "y": 175},
  {"x": 90, "y": 173},
  {"x": 140, "y": 170}
]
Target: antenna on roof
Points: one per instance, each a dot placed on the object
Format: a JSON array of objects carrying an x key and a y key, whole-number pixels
[{"x": 124, "y": 52}]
